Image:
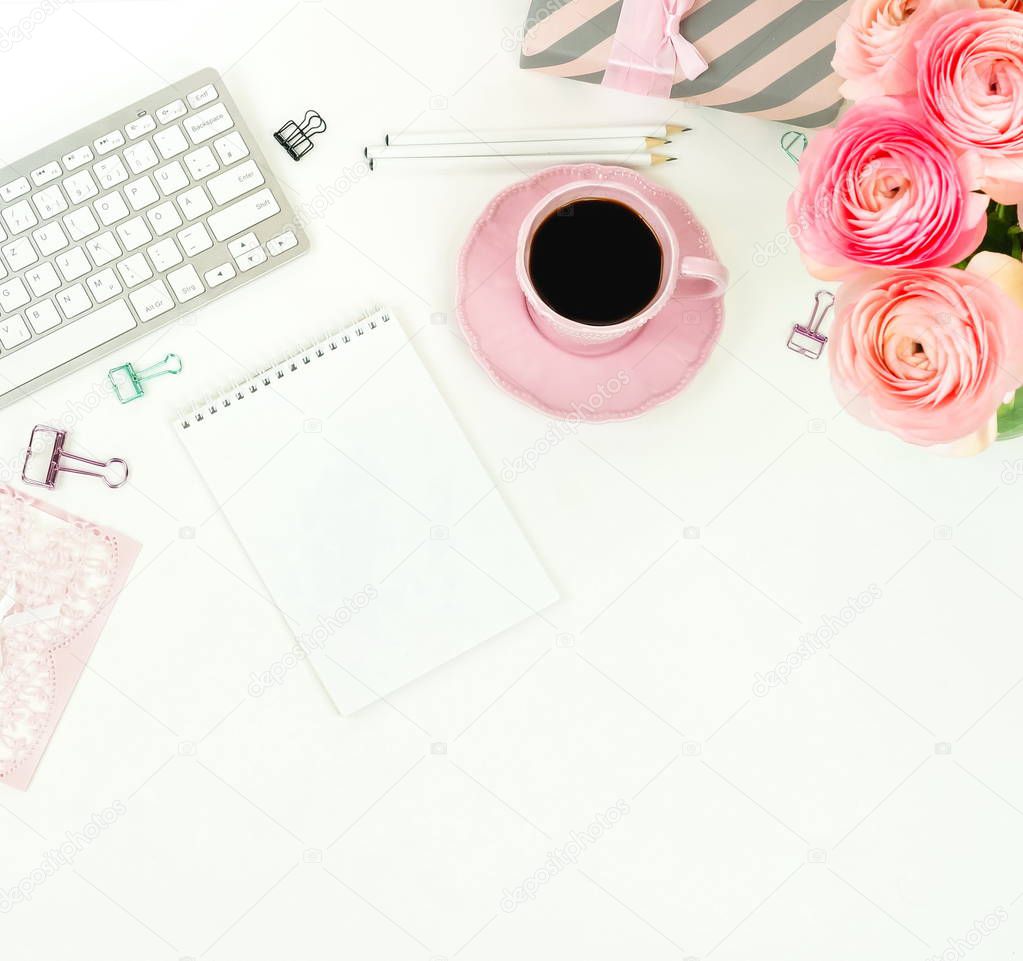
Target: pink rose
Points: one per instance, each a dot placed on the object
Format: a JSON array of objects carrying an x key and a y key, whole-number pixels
[
  {"x": 928, "y": 354},
  {"x": 971, "y": 90},
  {"x": 883, "y": 190},
  {"x": 875, "y": 51}
]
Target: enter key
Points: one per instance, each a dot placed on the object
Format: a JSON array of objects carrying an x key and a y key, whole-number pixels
[{"x": 237, "y": 181}]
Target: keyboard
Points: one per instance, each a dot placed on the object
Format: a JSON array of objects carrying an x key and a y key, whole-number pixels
[{"x": 129, "y": 223}]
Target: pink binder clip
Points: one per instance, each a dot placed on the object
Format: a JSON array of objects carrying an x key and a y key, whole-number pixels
[
  {"x": 807, "y": 339},
  {"x": 45, "y": 450}
]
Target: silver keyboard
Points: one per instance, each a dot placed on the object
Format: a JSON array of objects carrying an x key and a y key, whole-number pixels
[{"x": 129, "y": 223}]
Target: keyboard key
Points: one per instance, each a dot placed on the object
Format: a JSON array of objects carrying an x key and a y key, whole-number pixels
[
  {"x": 243, "y": 245},
  {"x": 49, "y": 202},
  {"x": 134, "y": 233},
  {"x": 19, "y": 217},
  {"x": 50, "y": 239},
  {"x": 110, "y": 172},
  {"x": 43, "y": 316},
  {"x": 171, "y": 178},
  {"x": 41, "y": 356},
  {"x": 164, "y": 255},
  {"x": 104, "y": 285},
  {"x": 170, "y": 142},
  {"x": 14, "y": 190},
  {"x": 219, "y": 275},
  {"x": 152, "y": 300},
  {"x": 238, "y": 180},
  {"x": 164, "y": 219},
  {"x": 172, "y": 111},
  {"x": 111, "y": 208},
  {"x": 19, "y": 254},
  {"x": 243, "y": 215},
  {"x": 73, "y": 301},
  {"x": 77, "y": 158},
  {"x": 46, "y": 173},
  {"x": 138, "y": 128},
  {"x": 103, "y": 249},
  {"x": 141, "y": 156},
  {"x": 194, "y": 240},
  {"x": 73, "y": 264},
  {"x": 81, "y": 223},
  {"x": 80, "y": 187},
  {"x": 13, "y": 295},
  {"x": 277, "y": 245},
  {"x": 201, "y": 163},
  {"x": 108, "y": 142},
  {"x": 202, "y": 96},
  {"x": 194, "y": 203},
  {"x": 185, "y": 283},
  {"x": 42, "y": 279},
  {"x": 141, "y": 193},
  {"x": 135, "y": 270},
  {"x": 13, "y": 331},
  {"x": 208, "y": 123},
  {"x": 231, "y": 148},
  {"x": 252, "y": 259}
]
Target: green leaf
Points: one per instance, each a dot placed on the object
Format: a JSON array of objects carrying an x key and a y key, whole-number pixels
[{"x": 1010, "y": 417}]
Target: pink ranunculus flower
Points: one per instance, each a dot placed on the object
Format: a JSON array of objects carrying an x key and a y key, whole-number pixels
[
  {"x": 970, "y": 86},
  {"x": 883, "y": 190},
  {"x": 929, "y": 354},
  {"x": 875, "y": 50}
]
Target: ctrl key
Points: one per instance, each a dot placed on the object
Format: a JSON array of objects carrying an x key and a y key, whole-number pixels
[{"x": 152, "y": 300}]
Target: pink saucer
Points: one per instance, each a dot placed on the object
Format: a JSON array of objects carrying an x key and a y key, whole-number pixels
[{"x": 646, "y": 371}]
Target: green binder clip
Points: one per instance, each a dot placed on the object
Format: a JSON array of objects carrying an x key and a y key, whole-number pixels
[
  {"x": 793, "y": 142},
  {"x": 127, "y": 381}
]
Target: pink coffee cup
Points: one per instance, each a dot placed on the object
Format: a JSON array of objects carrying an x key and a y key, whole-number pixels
[{"x": 693, "y": 278}]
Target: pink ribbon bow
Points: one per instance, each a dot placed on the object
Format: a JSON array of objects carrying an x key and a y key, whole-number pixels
[{"x": 649, "y": 48}]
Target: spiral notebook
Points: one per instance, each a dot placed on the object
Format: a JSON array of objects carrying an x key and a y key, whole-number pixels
[{"x": 377, "y": 532}]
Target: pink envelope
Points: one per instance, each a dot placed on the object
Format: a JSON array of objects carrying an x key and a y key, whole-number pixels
[{"x": 60, "y": 576}]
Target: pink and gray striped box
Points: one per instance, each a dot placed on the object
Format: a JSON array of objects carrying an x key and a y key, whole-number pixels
[{"x": 764, "y": 58}]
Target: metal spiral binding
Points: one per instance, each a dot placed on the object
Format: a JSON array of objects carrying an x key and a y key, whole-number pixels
[{"x": 279, "y": 370}]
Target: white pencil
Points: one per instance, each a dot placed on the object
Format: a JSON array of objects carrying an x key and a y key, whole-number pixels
[
  {"x": 414, "y": 137},
  {"x": 519, "y": 162},
  {"x": 516, "y": 148}
]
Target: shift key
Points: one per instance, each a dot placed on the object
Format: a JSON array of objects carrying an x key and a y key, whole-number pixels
[{"x": 243, "y": 215}]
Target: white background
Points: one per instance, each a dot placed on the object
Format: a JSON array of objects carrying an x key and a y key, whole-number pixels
[{"x": 869, "y": 807}]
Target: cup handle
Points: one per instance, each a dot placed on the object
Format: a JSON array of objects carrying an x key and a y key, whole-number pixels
[{"x": 707, "y": 277}]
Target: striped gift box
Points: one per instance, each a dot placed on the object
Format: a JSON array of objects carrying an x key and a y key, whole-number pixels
[{"x": 765, "y": 58}]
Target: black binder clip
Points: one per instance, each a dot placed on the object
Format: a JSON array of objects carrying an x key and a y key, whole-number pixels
[{"x": 296, "y": 138}]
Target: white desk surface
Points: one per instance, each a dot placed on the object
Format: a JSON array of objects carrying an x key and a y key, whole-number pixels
[{"x": 871, "y": 806}]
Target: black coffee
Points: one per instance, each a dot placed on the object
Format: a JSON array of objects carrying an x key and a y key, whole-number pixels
[{"x": 595, "y": 261}]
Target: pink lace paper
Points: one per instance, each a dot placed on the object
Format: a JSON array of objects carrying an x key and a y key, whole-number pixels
[{"x": 59, "y": 578}]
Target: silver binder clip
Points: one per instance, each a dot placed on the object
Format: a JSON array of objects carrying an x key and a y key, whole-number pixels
[
  {"x": 807, "y": 339},
  {"x": 43, "y": 461}
]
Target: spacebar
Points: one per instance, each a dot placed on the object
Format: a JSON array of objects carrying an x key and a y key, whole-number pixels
[{"x": 64, "y": 344}]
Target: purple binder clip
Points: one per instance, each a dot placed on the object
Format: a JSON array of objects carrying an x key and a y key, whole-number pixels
[
  {"x": 807, "y": 339},
  {"x": 43, "y": 461}
]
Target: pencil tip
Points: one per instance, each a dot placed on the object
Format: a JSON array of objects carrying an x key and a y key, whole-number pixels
[
  {"x": 675, "y": 128},
  {"x": 365, "y": 152},
  {"x": 387, "y": 139}
]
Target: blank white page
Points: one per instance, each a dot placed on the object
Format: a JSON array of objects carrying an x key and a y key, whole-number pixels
[{"x": 374, "y": 526}]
